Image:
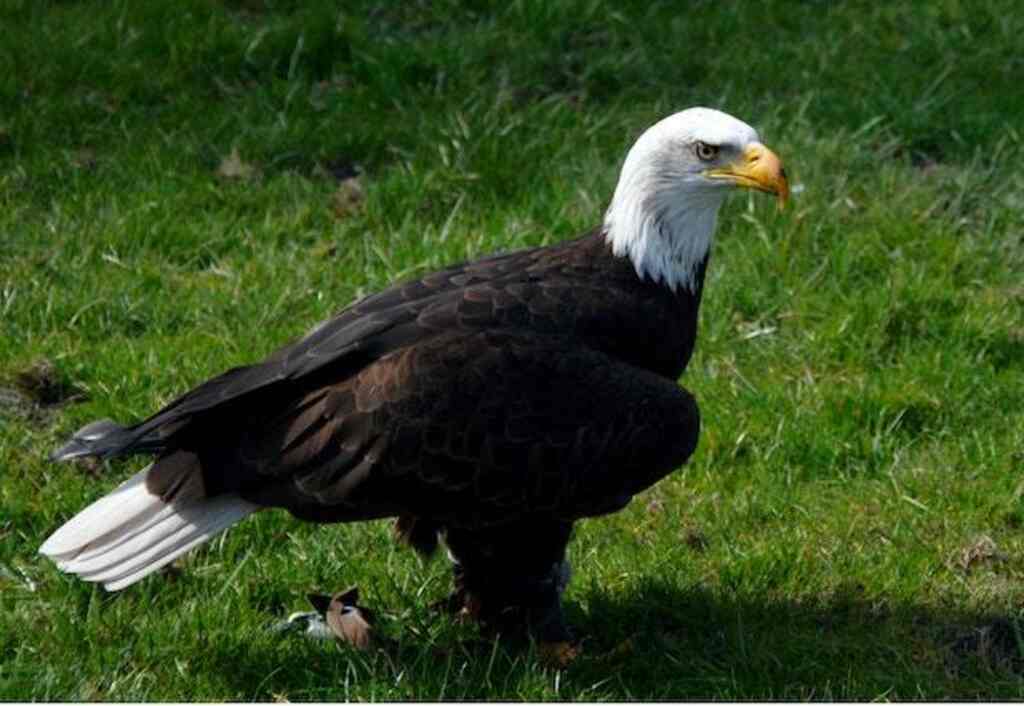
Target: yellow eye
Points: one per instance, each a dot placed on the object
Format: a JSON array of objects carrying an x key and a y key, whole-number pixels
[{"x": 706, "y": 152}]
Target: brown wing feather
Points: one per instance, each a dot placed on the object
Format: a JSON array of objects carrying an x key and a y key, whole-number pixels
[
  {"x": 541, "y": 380},
  {"x": 477, "y": 428},
  {"x": 357, "y": 335}
]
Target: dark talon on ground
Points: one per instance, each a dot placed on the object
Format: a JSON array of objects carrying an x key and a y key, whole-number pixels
[{"x": 559, "y": 654}]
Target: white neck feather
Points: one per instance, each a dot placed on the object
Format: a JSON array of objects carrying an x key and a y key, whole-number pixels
[
  {"x": 663, "y": 214},
  {"x": 666, "y": 240}
]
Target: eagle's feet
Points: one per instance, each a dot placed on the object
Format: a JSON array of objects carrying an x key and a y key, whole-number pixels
[
  {"x": 513, "y": 607},
  {"x": 559, "y": 654}
]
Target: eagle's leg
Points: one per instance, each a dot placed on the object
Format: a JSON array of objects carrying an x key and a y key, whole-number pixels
[{"x": 510, "y": 578}]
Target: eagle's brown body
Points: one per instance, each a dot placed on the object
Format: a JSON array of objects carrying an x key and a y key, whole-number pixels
[
  {"x": 538, "y": 384},
  {"x": 492, "y": 404}
]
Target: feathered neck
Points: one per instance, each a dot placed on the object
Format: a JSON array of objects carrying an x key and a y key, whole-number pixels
[
  {"x": 666, "y": 241},
  {"x": 661, "y": 217}
]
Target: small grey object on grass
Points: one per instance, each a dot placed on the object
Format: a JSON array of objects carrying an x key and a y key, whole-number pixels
[{"x": 310, "y": 623}]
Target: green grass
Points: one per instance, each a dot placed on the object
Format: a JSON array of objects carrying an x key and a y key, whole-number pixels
[{"x": 860, "y": 366}]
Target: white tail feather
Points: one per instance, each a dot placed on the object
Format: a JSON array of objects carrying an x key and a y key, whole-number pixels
[
  {"x": 119, "y": 509},
  {"x": 130, "y": 533}
]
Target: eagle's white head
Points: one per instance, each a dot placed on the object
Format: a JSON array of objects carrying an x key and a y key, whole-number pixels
[{"x": 672, "y": 184}]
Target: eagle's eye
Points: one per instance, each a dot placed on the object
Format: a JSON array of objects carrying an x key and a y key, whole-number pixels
[{"x": 706, "y": 152}]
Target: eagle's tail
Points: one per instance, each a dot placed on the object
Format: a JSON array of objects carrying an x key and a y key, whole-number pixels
[
  {"x": 146, "y": 522},
  {"x": 105, "y": 439}
]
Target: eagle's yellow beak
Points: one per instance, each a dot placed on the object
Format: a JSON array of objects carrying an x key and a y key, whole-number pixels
[{"x": 759, "y": 168}]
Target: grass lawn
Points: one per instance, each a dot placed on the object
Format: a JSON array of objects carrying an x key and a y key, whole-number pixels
[{"x": 177, "y": 197}]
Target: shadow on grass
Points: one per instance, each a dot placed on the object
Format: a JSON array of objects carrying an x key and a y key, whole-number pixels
[
  {"x": 670, "y": 643},
  {"x": 663, "y": 642}
]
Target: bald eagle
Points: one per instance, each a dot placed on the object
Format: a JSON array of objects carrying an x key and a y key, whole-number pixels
[{"x": 491, "y": 404}]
